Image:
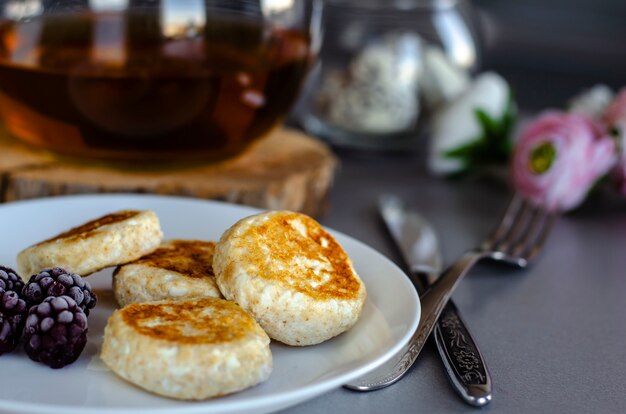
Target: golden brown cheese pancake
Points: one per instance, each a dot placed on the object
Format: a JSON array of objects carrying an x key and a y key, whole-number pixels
[
  {"x": 187, "y": 349},
  {"x": 110, "y": 240},
  {"x": 291, "y": 275},
  {"x": 178, "y": 269}
]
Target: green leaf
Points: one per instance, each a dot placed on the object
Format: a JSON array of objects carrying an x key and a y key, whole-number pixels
[
  {"x": 489, "y": 125},
  {"x": 463, "y": 151},
  {"x": 494, "y": 145}
]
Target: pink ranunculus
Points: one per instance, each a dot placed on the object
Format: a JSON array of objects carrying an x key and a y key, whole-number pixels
[
  {"x": 558, "y": 157},
  {"x": 615, "y": 119}
]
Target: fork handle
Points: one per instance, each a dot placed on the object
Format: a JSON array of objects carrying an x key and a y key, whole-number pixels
[
  {"x": 464, "y": 363},
  {"x": 433, "y": 302}
]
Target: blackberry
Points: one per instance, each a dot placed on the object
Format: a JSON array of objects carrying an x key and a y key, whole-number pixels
[
  {"x": 12, "y": 316},
  {"x": 55, "y": 332},
  {"x": 58, "y": 282},
  {"x": 9, "y": 280}
]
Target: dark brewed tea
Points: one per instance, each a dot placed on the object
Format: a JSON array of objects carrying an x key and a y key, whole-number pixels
[{"x": 127, "y": 86}]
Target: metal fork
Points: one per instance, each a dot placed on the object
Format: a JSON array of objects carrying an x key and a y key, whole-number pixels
[{"x": 517, "y": 240}]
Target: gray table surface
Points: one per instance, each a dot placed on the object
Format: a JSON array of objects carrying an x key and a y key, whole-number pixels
[{"x": 553, "y": 335}]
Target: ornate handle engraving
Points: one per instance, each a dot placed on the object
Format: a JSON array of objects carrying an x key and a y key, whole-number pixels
[
  {"x": 464, "y": 356},
  {"x": 463, "y": 361}
]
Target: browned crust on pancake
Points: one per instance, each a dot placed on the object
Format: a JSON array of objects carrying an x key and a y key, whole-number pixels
[
  {"x": 84, "y": 230},
  {"x": 317, "y": 245},
  {"x": 184, "y": 322},
  {"x": 193, "y": 258}
]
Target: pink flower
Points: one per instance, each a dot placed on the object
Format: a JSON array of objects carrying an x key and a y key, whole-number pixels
[
  {"x": 615, "y": 119},
  {"x": 558, "y": 157}
]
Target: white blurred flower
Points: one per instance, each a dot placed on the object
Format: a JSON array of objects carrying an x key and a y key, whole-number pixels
[
  {"x": 592, "y": 102},
  {"x": 472, "y": 129}
]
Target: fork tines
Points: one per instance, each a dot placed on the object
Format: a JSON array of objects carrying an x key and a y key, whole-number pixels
[{"x": 521, "y": 233}]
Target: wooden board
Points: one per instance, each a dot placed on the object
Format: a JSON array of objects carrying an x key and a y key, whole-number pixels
[{"x": 286, "y": 170}]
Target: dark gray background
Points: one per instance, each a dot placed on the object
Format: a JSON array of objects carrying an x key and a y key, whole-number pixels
[{"x": 550, "y": 49}]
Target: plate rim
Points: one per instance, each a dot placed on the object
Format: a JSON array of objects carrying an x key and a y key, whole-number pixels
[{"x": 262, "y": 403}]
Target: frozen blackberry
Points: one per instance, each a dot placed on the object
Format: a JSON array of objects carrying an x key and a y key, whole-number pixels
[
  {"x": 55, "y": 332},
  {"x": 10, "y": 280},
  {"x": 58, "y": 282},
  {"x": 12, "y": 316}
]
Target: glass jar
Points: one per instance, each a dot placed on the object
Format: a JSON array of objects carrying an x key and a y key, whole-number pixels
[{"x": 384, "y": 66}]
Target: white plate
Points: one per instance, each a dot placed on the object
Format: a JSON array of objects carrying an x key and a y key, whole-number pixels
[{"x": 390, "y": 316}]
